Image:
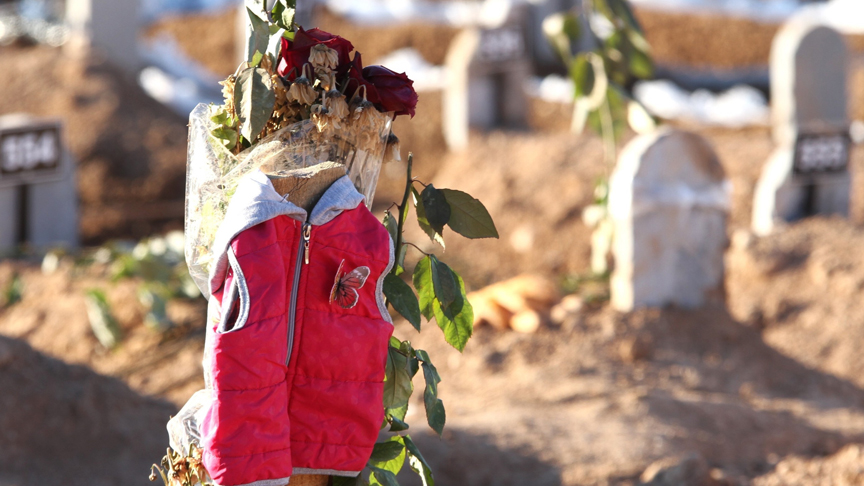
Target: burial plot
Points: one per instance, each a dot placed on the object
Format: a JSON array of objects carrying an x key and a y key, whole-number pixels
[
  {"x": 487, "y": 69},
  {"x": 668, "y": 202},
  {"x": 38, "y": 196},
  {"x": 808, "y": 172}
]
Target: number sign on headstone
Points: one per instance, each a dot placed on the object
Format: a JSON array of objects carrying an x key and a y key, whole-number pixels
[
  {"x": 487, "y": 69},
  {"x": 808, "y": 173},
  {"x": 38, "y": 195},
  {"x": 30, "y": 155},
  {"x": 821, "y": 154}
]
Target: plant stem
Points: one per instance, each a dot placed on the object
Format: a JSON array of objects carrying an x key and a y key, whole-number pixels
[
  {"x": 608, "y": 135},
  {"x": 403, "y": 210}
]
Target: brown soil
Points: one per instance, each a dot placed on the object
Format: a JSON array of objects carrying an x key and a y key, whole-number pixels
[
  {"x": 767, "y": 389},
  {"x": 712, "y": 41},
  {"x": 210, "y": 39},
  {"x": 62, "y": 424},
  {"x": 130, "y": 149}
]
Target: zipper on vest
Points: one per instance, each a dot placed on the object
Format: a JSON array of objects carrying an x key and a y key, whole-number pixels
[{"x": 302, "y": 256}]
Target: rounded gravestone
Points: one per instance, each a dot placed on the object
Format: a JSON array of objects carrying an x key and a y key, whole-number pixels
[
  {"x": 668, "y": 200},
  {"x": 808, "y": 80}
]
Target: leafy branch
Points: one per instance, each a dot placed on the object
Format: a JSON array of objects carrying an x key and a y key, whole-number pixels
[{"x": 438, "y": 293}]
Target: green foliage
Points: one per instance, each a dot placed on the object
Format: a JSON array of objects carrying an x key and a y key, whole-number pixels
[
  {"x": 440, "y": 295},
  {"x": 620, "y": 56},
  {"x": 259, "y": 37},
  {"x": 254, "y": 99},
  {"x": 283, "y": 14},
  {"x": 102, "y": 321},
  {"x": 402, "y": 298},
  {"x": 12, "y": 292}
]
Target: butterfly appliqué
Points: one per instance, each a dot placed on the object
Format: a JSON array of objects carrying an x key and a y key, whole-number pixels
[{"x": 346, "y": 285}]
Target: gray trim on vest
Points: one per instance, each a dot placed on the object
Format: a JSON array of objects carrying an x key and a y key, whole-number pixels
[
  {"x": 266, "y": 482},
  {"x": 302, "y": 471},
  {"x": 256, "y": 201},
  {"x": 379, "y": 288},
  {"x": 239, "y": 290}
]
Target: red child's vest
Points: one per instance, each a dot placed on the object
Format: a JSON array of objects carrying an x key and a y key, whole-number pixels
[{"x": 296, "y": 379}]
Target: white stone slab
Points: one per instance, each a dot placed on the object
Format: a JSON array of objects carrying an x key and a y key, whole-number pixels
[
  {"x": 109, "y": 25},
  {"x": 487, "y": 70},
  {"x": 668, "y": 201},
  {"x": 808, "y": 81}
]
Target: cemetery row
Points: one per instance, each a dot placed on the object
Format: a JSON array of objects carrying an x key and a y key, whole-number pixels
[{"x": 669, "y": 197}]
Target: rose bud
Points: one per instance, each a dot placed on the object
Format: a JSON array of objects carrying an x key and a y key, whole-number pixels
[
  {"x": 395, "y": 90},
  {"x": 294, "y": 55}
]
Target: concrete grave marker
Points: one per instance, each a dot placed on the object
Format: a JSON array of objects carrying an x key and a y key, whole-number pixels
[
  {"x": 38, "y": 195},
  {"x": 808, "y": 172},
  {"x": 109, "y": 25},
  {"x": 487, "y": 69},
  {"x": 668, "y": 202}
]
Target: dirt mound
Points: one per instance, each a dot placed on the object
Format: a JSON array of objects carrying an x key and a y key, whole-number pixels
[
  {"x": 131, "y": 150},
  {"x": 802, "y": 286},
  {"x": 52, "y": 317},
  {"x": 841, "y": 469},
  {"x": 62, "y": 424},
  {"x": 574, "y": 399}
]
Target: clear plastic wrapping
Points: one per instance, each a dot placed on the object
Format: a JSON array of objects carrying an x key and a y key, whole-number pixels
[
  {"x": 213, "y": 172},
  {"x": 184, "y": 428}
]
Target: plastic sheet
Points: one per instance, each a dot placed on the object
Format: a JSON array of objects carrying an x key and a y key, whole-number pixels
[
  {"x": 183, "y": 428},
  {"x": 212, "y": 171}
]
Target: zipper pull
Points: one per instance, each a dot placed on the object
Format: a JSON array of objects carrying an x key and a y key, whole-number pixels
[{"x": 307, "y": 233}]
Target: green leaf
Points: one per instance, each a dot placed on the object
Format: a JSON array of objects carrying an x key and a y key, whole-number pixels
[
  {"x": 641, "y": 65},
  {"x": 256, "y": 58},
  {"x": 402, "y": 298},
  {"x": 382, "y": 477},
  {"x": 457, "y": 321},
  {"x": 227, "y": 136},
  {"x": 435, "y": 415},
  {"x": 14, "y": 291},
  {"x": 102, "y": 321},
  {"x": 397, "y": 382},
  {"x": 400, "y": 260},
  {"x": 418, "y": 462},
  {"x": 283, "y": 13},
  {"x": 391, "y": 224},
  {"x": 443, "y": 282},
  {"x": 397, "y": 425},
  {"x": 469, "y": 216},
  {"x": 425, "y": 288},
  {"x": 385, "y": 452},
  {"x": 436, "y": 207},
  {"x": 397, "y": 412},
  {"x": 582, "y": 74},
  {"x": 259, "y": 36},
  {"x": 434, "y": 235},
  {"x": 254, "y": 99}
]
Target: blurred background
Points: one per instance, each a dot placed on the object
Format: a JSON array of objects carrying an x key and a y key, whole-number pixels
[{"x": 102, "y": 330}]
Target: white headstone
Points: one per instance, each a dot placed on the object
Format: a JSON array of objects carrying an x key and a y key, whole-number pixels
[
  {"x": 38, "y": 193},
  {"x": 808, "y": 172},
  {"x": 487, "y": 69},
  {"x": 108, "y": 25},
  {"x": 668, "y": 201}
]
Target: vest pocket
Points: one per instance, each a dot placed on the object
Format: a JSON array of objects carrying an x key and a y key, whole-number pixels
[{"x": 235, "y": 299}]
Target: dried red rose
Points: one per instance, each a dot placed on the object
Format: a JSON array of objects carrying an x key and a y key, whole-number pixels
[
  {"x": 356, "y": 79},
  {"x": 395, "y": 90},
  {"x": 295, "y": 54}
]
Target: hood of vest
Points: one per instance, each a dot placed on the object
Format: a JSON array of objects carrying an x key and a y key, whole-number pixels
[{"x": 256, "y": 201}]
